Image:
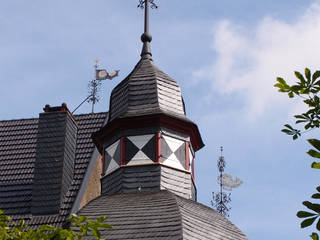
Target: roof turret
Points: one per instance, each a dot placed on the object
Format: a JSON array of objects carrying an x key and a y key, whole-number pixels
[{"x": 147, "y": 90}]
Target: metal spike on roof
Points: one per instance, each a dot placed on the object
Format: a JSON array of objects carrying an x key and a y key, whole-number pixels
[{"x": 146, "y": 37}]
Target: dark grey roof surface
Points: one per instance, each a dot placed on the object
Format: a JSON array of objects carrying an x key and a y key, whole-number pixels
[
  {"x": 18, "y": 140},
  {"x": 160, "y": 215},
  {"x": 147, "y": 90}
]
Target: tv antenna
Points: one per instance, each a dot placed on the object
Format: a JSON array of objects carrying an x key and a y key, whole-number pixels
[
  {"x": 94, "y": 85},
  {"x": 220, "y": 200}
]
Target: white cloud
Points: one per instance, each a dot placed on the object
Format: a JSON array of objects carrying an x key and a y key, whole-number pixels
[{"x": 249, "y": 60}]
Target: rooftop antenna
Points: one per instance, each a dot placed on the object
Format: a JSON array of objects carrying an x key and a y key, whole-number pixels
[
  {"x": 221, "y": 199},
  {"x": 95, "y": 85}
]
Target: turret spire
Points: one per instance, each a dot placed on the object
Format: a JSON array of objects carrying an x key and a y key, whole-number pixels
[{"x": 146, "y": 37}]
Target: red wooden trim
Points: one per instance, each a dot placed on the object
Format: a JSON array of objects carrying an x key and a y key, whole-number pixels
[
  {"x": 123, "y": 151},
  {"x": 187, "y": 156},
  {"x": 103, "y": 163},
  {"x": 158, "y": 147}
]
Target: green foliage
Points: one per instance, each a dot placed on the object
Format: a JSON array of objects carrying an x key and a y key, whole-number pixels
[
  {"x": 307, "y": 88},
  {"x": 314, "y": 236},
  {"x": 81, "y": 227}
]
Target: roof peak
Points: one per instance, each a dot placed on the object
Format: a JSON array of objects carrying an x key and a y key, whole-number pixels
[{"x": 146, "y": 37}]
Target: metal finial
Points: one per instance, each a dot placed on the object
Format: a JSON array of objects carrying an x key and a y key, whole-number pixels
[
  {"x": 146, "y": 37},
  {"x": 221, "y": 199}
]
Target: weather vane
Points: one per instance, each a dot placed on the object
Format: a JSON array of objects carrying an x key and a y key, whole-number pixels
[
  {"x": 95, "y": 84},
  {"x": 221, "y": 199}
]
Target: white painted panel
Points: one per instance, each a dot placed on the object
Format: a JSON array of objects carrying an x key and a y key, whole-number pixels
[
  {"x": 140, "y": 140},
  {"x": 173, "y": 143},
  {"x": 140, "y": 158},
  {"x": 174, "y": 162}
]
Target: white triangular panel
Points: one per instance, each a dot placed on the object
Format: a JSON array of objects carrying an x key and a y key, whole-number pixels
[
  {"x": 140, "y": 158},
  {"x": 141, "y": 140},
  {"x": 112, "y": 148},
  {"x": 173, "y": 161},
  {"x": 141, "y": 155},
  {"x": 173, "y": 143},
  {"x": 112, "y": 166}
]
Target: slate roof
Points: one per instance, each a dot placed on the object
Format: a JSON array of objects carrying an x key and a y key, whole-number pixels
[
  {"x": 146, "y": 90},
  {"x": 18, "y": 140},
  {"x": 160, "y": 215}
]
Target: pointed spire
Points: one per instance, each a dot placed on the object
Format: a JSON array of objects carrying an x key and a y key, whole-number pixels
[{"x": 146, "y": 37}]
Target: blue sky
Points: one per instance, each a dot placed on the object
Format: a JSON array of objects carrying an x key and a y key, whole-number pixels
[{"x": 224, "y": 54}]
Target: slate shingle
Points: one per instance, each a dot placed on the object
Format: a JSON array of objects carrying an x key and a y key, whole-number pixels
[
  {"x": 18, "y": 140},
  {"x": 159, "y": 215},
  {"x": 146, "y": 90}
]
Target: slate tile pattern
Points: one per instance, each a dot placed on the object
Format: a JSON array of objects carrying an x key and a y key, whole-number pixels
[
  {"x": 202, "y": 222},
  {"x": 54, "y": 165},
  {"x": 146, "y": 90},
  {"x": 17, "y": 160},
  {"x": 160, "y": 215}
]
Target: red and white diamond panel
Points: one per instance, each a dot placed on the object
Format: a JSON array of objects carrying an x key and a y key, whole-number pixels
[
  {"x": 140, "y": 149},
  {"x": 173, "y": 152},
  {"x": 112, "y": 157}
]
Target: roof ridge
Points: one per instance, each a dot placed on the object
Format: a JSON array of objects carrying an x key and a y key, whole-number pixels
[
  {"x": 20, "y": 119},
  {"x": 200, "y": 205},
  {"x": 36, "y": 118}
]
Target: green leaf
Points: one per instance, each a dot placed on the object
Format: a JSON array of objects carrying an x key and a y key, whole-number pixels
[
  {"x": 105, "y": 225},
  {"x": 314, "y": 153},
  {"x": 304, "y": 214},
  {"x": 287, "y": 131},
  {"x": 316, "y": 196},
  {"x": 315, "y": 143},
  {"x": 307, "y": 126},
  {"x": 318, "y": 189},
  {"x": 281, "y": 81},
  {"x": 301, "y": 121},
  {"x": 314, "y": 236},
  {"x": 312, "y": 206},
  {"x": 315, "y": 165},
  {"x": 308, "y": 222},
  {"x": 308, "y": 74},
  {"x": 318, "y": 225},
  {"x": 288, "y": 126},
  {"x": 299, "y": 76},
  {"x": 290, "y": 94},
  {"x": 315, "y": 75}
]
